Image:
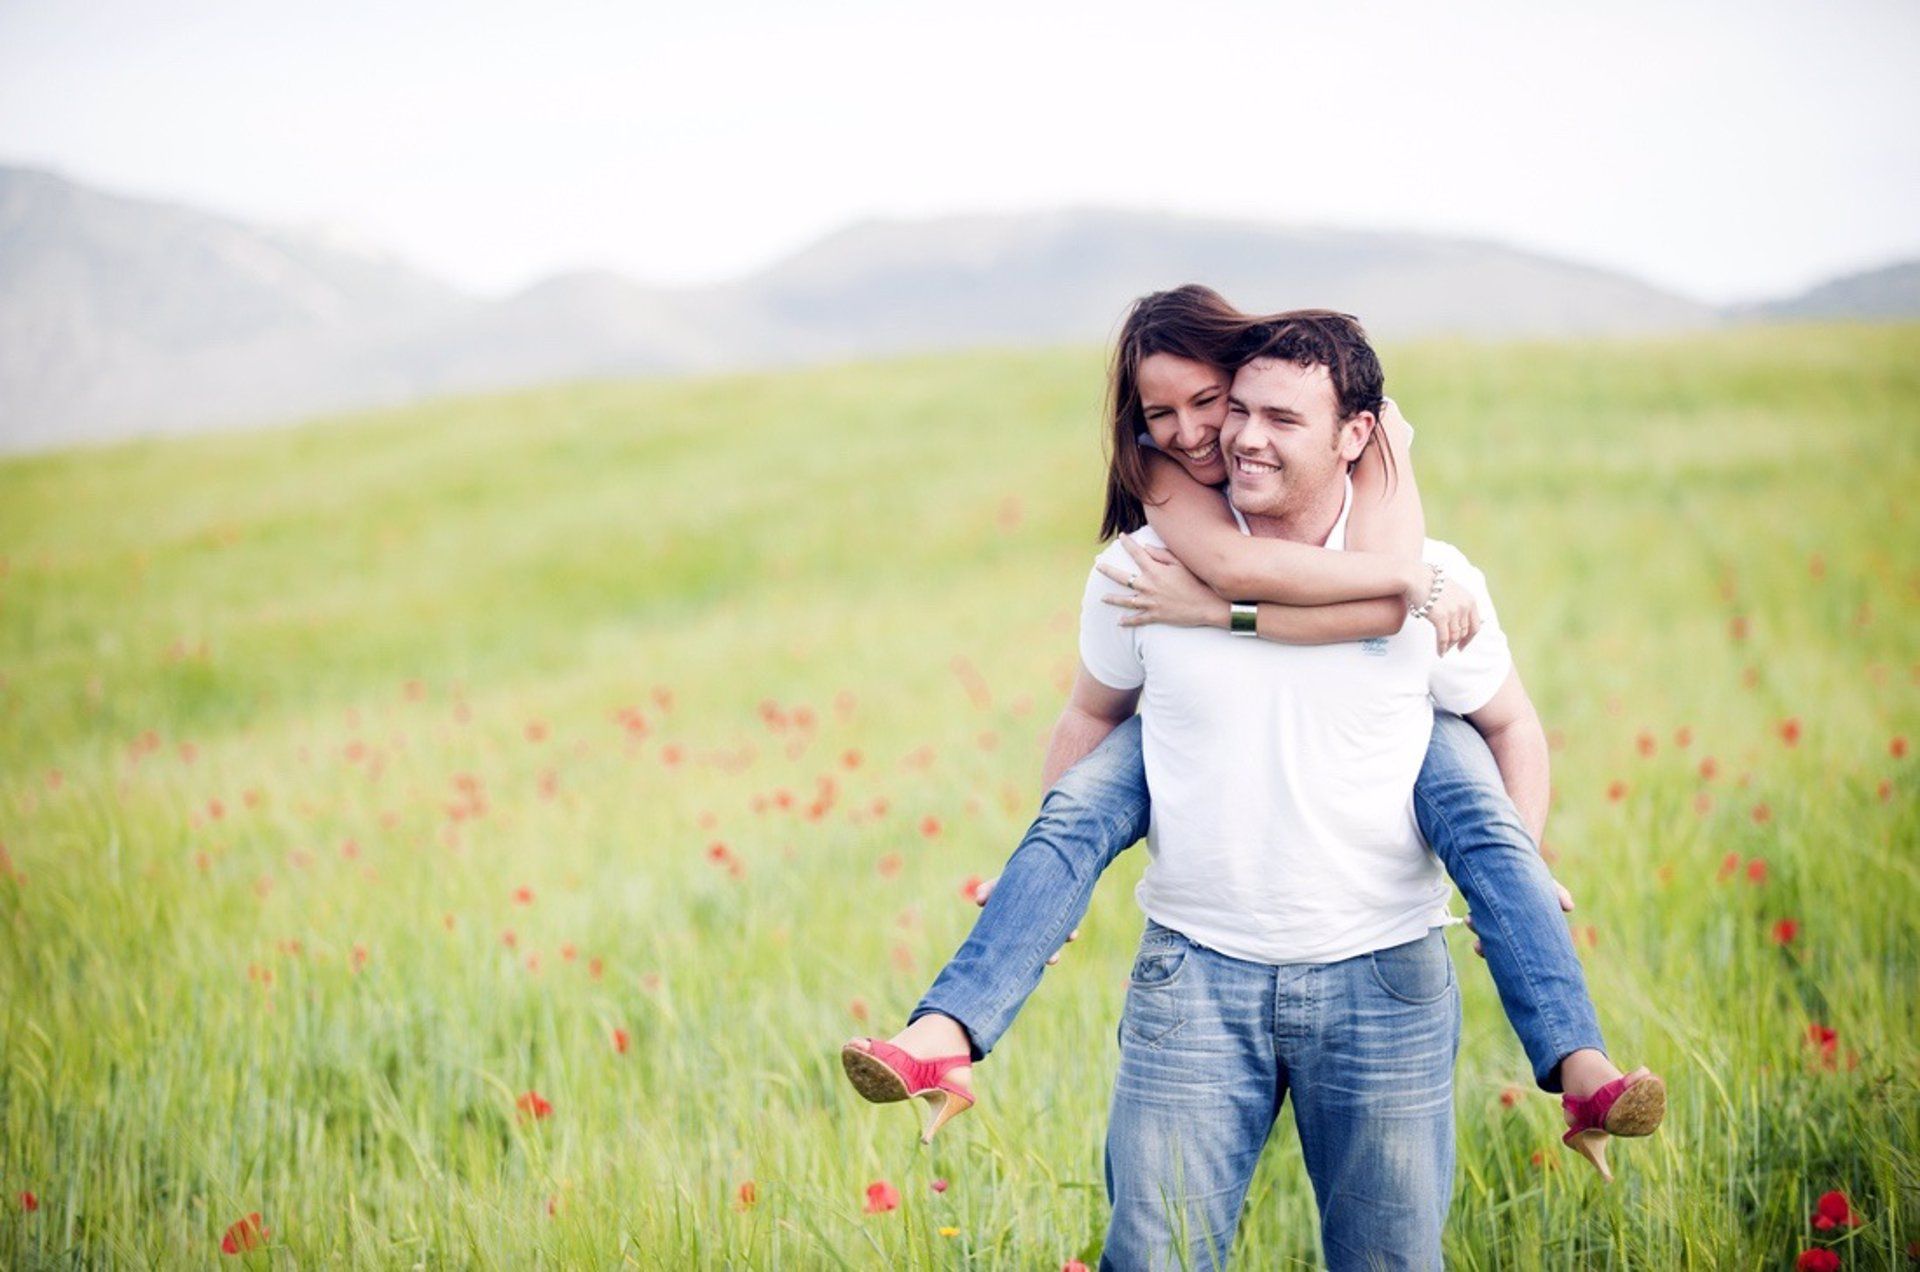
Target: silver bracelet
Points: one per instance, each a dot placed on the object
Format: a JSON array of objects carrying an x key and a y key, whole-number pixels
[
  {"x": 1433, "y": 594},
  {"x": 1243, "y": 618}
]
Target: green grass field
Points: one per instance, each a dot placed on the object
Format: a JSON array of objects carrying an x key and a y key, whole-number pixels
[{"x": 629, "y": 744}]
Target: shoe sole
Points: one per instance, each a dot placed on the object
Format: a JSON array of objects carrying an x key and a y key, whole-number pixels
[
  {"x": 1639, "y": 1110},
  {"x": 873, "y": 1079}
]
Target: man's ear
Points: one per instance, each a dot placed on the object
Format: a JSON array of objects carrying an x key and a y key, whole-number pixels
[{"x": 1354, "y": 433}]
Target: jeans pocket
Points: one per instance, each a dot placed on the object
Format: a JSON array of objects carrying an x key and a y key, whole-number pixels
[
  {"x": 1417, "y": 973},
  {"x": 1162, "y": 955}
]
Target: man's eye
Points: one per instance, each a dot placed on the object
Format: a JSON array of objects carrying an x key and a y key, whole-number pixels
[{"x": 1236, "y": 410}]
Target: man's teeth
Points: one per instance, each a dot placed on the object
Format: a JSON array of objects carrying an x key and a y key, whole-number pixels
[{"x": 1254, "y": 465}]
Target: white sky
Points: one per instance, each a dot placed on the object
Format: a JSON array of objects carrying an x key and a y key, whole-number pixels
[{"x": 1725, "y": 150}]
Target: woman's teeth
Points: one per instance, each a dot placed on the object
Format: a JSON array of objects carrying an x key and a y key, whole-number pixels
[{"x": 1204, "y": 454}]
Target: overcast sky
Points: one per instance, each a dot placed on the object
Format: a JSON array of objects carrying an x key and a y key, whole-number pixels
[{"x": 1725, "y": 150}]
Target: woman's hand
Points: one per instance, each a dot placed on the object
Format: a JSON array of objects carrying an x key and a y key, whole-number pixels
[
  {"x": 985, "y": 890},
  {"x": 1161, "y": 590},
  {"x": 1454, "y": 616}
]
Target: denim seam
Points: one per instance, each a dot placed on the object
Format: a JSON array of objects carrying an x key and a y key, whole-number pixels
[{"x": 1559, "y": 1028}]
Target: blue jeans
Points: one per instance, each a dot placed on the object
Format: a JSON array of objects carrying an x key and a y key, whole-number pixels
[
  {"x": 1099, "y": 809},
  {"x": 1210, "y": 1048}
]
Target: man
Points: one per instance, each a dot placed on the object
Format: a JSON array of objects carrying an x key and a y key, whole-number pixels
[{"x": 1292, "y": 945}]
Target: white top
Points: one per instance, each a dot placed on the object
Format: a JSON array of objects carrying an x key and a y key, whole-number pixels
[{"x": 1282, "y": 775}]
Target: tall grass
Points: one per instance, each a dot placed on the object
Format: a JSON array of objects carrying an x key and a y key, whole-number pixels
[{"x": 740, "y": 680}]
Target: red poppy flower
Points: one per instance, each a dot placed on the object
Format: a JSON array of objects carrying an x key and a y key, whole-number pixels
[
  {"x": 1897, "y": 748},
  {"x": 858, "y": 1010},
  {"x": 930, "y": 826},
  {"x": 1834, "y": 1211},
  {"x": 1683, "y": 737},
  {"x": 889, "y": 865},
  {"x": 745, "y": 1196},
  {"x": 1756, "y": 871},
  {"x": 246, "y": 1234},
  {"x": 1762, "y": 813},
  {"x": 1073, "y": 1265},
  {"x": 1709, "y": 769},
  {"x": 1509, "y": 1097},
  {"x": 850, "y": 758},
  {"x": 1817, "y": 1261},
  {"x": 1729, "y": 866},
  {"x": 938, "y": 1185},
  {"x": 1645, "y": 743},
  {"x": 1826, "y": 1041},
  {"x": 29, "y": 1202},
  {"x": 533, "y": 1105},
  {"x": 882, "y": 1197},
  {"x": 523, "y": 895},
  {"x": 620, "y": 1041},
  {"x": 1785, "y": 931},
  {"x": 1737, "y": 627},
  {"x": 971, "y": 888},
  {"x": 1790, "y": 730}
]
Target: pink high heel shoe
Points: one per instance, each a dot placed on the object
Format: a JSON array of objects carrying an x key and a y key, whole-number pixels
[
  {"x": 884, "y": 1073},
  {"x": 1632, "y": 1104}
]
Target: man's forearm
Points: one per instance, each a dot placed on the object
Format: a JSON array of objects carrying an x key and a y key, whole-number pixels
[
  {"x": 1075, "y": 734},
  {"x": 1520, "y": 749}
]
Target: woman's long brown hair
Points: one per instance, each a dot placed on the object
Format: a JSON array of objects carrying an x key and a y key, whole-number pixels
[{"x": 1191, "y": 322}]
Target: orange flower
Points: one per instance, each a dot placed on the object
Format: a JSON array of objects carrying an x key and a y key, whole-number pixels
[
  {"x": 745, "y": 1196},
  {"x": 1897, "y": 748},
  {"x": 245, "y": 1234},
  {"x": 533, "y": 1106},
  {"x": 1762, "y": 813},
  {"x": 882, "y": 1197}
]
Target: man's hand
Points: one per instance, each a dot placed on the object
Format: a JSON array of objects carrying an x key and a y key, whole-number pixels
[
  {"x": 985, "y": 890},
  {"x": 1566, "y": 907}
]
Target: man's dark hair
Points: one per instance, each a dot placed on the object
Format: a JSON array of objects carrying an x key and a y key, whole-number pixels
[{"x": 1321, "y": 338}]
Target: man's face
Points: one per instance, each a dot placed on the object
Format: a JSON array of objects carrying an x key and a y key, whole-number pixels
[{"x": 1283, "y": 438}]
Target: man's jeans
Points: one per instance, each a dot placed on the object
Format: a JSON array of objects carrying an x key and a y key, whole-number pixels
[
  {"x": 1210, "y": 1048},
  {"x": 1099, "y": 809}
]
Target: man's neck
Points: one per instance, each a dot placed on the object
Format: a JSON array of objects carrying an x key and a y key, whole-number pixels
[{"x": 1309, "y": 523}]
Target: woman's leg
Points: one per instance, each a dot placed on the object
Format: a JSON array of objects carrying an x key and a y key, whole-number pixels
[
  {"x": 1094, "y": 813},
  {"x": 1476, "y": 832}
]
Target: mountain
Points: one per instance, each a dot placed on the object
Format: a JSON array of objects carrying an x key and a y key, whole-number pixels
[
  {"x": 121, "y": 316},
  {"x": 1890, "y": 292}
]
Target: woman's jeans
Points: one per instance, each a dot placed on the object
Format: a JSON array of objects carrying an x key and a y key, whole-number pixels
[
  {"x": 1212, "y": 1046},
  {"x": 1099, "y": 809}
]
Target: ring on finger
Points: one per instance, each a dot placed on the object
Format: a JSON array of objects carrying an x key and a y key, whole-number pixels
[{"x": 1133, "y": 580}]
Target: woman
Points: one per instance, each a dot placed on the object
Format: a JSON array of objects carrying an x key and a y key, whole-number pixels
[{"x": 1171, "y": 371}]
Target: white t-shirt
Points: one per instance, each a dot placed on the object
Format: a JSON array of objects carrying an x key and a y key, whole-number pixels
[{"x": 1282, "y": 775}]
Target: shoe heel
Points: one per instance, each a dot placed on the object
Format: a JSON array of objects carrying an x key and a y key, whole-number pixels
[
  {"x": 1592, "y": 1145},
  {"x": 949, "y": 1107}
]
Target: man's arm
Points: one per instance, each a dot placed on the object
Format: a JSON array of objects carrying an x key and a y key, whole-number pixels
[
  {"x": 1519, "y": 744},
  {"x": 1093, "y": 710}
]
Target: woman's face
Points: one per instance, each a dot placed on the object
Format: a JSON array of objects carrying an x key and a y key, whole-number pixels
[{"x": 1185, "y": 403}]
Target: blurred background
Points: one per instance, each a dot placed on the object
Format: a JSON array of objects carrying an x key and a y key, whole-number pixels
[
  {"x": 218, "y": 214},
  {"x": 539, "y": 550}
]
